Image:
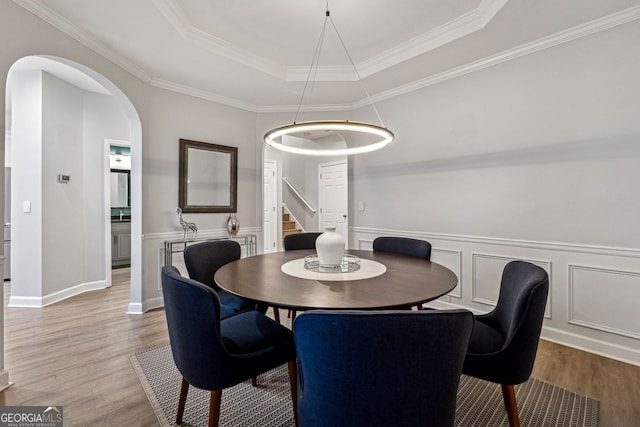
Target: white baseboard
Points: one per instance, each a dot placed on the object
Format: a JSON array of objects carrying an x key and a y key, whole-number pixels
[
  {"x": 4, "y": 380},
  {"x": 39, "y": 302},
  {"x": 153, "y": 303},
  {"x": 141, "y": 308},
  {"x": 135, "y": 308}
]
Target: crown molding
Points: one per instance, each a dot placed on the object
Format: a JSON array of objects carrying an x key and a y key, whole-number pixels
[
  {"x": 209, "y": 96},
  {"x": 583, "y": 30},
  {"x": 462, "y": 26},
  {"x": 328, "y": 73},
  {"x": 303, "y": 108},
  {"x": 601, "y": 24},
  {"x": 171, "y": 10},
  {"x": 447, "y": 33},
  {"x": 43, "y": 12},
  {"x": 592, "y": 27}
]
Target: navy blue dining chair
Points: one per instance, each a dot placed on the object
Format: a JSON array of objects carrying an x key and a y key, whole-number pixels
[
  {"x": 380, "y": 368},
  {"x": 504, "y": 341},
  {"x": 204, "y": 259},
  {"x": 306, "y": 240},
  {"x": 404, "y": 246},
  {"x": 213, "y": 353}
]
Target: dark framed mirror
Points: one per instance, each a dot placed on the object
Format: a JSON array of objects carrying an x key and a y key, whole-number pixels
[{"x": 208, "y": 177}]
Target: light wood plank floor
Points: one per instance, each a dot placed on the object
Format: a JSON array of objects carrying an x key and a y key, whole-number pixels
[{"x": 76, "y": 353}]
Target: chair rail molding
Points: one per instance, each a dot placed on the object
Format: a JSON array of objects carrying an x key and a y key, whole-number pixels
[
  {"x": 556, "y": 246},
  {"x": 593, "y": 290}
]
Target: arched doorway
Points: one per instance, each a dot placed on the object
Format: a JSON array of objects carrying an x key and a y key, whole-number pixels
[{"x": 86, "y": 79}]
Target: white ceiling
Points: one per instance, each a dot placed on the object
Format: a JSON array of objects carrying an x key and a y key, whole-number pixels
[{"x": 255, "y": 54}]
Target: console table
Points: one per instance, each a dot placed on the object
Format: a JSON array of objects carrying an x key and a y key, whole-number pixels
[{"x": 248, "y": 241}]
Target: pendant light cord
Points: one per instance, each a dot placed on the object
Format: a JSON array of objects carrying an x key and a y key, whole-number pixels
[
  {"x": 314, "y": 65},
  {"x": 316, "y": 60},
  {"x": 375, "y": 110}
]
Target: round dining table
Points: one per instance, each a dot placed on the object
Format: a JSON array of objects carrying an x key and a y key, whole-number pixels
[{"x": 384, "y": 281}]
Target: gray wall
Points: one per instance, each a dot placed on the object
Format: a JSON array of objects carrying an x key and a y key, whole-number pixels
[
  {"x": 166, "y": 117},
  {"x": 537, "y": 158},
  {"x": 63, "y": 212},
  {"x": 543, "y": 147},
  {"x": 103, "y": 119},
  {"x": 26, "y": 183},
  {"x": 68, "y": 243}
]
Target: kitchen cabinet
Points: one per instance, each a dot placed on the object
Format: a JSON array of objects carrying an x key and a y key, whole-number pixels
[{"x": 120, "y": 244}]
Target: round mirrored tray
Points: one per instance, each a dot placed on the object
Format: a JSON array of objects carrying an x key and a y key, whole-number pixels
[{"x": 349, "y": 263}]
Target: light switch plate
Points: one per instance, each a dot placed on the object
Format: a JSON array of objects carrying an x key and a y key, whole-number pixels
[{"x": 26, "y": 206}]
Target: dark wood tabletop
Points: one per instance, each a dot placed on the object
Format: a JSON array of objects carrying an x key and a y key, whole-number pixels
[{"x": 408, "y": 281}]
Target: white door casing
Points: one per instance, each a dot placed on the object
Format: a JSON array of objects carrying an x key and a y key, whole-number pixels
[{"x": 269, "y": 214}]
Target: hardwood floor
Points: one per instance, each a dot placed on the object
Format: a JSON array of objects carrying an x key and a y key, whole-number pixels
[
  {"x": 76, "y": 353},
  {"x": 615, "y": 384}
]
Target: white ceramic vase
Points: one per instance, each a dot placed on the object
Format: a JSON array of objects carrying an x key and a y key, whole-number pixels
[{"x": 330, "y": 247}]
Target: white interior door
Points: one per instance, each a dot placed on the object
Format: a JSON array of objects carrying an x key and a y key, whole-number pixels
[
  {"x": 270, "y": 215},
  {"x": 334, "y": 197}
]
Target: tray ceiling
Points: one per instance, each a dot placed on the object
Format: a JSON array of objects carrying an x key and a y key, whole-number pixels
[{"x": 256, "y": 54}]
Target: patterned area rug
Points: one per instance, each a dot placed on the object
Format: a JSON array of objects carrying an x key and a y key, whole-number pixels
[{"x": 269, "y": 404}]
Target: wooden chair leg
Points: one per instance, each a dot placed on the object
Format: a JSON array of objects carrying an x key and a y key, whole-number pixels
[
  {"x": 254, "y": 381},
  {"x": 183, "y": 399},
  {"x": 214, "y": 407},
  {"x": 510, "y": 404},
  {"x": 293, "y": 384},
  {"x": 276, "y": 314},
  {"x": 293, "y": 317}
]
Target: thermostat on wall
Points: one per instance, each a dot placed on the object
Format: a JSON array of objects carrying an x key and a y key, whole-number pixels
[{"x": 64, "y": 178}]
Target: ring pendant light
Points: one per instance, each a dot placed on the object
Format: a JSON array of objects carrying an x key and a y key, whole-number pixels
[{"x": 293, "y": 138}]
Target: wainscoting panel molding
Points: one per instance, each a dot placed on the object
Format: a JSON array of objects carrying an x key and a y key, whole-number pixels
[
  {"x": 365, "y": 244},
  {"x": 487, "y": 274},
  {"x": 452, "y": 259},
  {"x": 486, "y": 271},
  {"x": 593, "y": 293}
]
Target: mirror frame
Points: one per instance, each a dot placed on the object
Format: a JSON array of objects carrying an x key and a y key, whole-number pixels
[{"x": 185, "y": 146}]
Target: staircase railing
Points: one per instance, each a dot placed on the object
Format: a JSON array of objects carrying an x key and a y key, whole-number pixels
[{"x": 298, "y": 195}]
